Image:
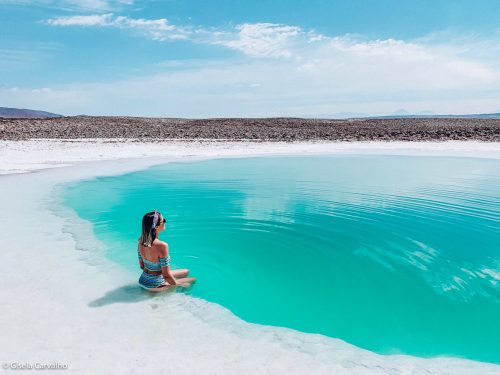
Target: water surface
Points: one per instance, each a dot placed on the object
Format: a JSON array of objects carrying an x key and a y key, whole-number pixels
[{"x": 392, "y": 254}]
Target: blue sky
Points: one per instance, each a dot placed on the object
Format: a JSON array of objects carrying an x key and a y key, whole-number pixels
[{"x": 256, "y": 58}]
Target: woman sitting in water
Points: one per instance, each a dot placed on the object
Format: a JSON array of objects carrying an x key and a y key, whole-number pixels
[{"x": 154, "y": 258}]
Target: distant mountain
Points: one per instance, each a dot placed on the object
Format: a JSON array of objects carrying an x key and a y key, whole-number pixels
[
  {"x": 426, "y": 113},
  {"x": 25, "y": 113},
  {"x": 481, "y": 115},
  {"x": 485, "y": 115},
  {"x": 337, "y": 115},
  {"x": 401, "y": 113}
]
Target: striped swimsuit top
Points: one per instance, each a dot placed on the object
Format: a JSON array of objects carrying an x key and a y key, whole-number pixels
[{"x": 152, "y": 266}]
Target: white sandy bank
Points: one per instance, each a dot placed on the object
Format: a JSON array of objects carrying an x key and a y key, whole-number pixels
[
  {"x": 64, "y": 303},
  {"x": 23, "y": 156}
]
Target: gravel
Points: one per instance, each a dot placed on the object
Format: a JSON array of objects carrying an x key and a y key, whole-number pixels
[{"x": 265, "y": 129}]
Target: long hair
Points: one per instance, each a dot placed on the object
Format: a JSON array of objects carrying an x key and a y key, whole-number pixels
[{"x": 149, "y": 222}]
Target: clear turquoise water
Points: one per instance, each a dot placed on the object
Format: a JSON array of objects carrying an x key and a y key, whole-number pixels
[{"x": 392, "y": 254}]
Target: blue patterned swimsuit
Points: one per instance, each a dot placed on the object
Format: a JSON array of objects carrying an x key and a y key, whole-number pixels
[{"x": 149, "y": 281}]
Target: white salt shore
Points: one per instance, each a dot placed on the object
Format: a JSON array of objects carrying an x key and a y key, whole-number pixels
[{"x": 64, "y": 304}]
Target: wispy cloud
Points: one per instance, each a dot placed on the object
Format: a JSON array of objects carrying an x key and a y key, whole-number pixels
[
  {"x": 401, "y": 62},
  {"x": 265, "y": 40},
  {"x": 268, "y": 40},
  {"x": 74, "y": 5},
  {"x": 93, "y": 20},
  {"x": 261, "y": 39},
  {"x": 21, "y": 57},
  {"x": 11, "y": 56},
  {"x": 157, "y": 29},
  {"x": 285, "y": 70},
  {"x": 267, "y": 88}
]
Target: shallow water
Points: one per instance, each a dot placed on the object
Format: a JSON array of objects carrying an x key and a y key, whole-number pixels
[{"x": 393, "y": 254}]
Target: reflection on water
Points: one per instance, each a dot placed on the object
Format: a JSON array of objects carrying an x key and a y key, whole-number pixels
[{"x": 393, "y": 254}]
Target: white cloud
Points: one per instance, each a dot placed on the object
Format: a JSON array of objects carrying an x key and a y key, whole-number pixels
[
  {"x": 228, "y": 89},
  {"x": 92, "y": 20},
  {"x": 157, "y": 29},
  {"x": 282, "y": 70},
  {"x": 321, "y": 57},
  {"x": 266, "y": 40},
  {"x": 257, "y": 40},
  {"x": 261, "y": 39},
  {"x": 388, "y": 65},
  {"x": 75, "y": 5}
]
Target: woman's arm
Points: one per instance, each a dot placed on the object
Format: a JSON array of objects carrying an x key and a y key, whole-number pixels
[
  {"x": 165, "y": 264},
  {"x": 141, "y": 263}
]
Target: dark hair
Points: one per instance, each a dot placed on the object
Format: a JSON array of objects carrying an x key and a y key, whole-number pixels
[{"x": 149, "y": 222}]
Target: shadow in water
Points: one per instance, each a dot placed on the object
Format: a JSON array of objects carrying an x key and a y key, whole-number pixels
[{"x": 132, "y": 293}]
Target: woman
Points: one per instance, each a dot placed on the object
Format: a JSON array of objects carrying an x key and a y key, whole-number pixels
[{"x": 154, "y": 258}]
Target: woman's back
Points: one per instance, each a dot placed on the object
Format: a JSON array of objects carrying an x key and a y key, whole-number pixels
[{"x": 151, "y": 253}]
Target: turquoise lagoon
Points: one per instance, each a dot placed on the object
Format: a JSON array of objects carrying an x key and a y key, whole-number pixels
[{"x": 394, "y": 254}]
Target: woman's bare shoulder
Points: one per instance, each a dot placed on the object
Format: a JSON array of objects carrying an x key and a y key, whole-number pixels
[
  {"x": 157, "y": 241},
  {"x": 162, "y": 246}
]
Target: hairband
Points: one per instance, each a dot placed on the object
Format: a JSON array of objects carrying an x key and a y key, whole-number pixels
[{"x": 155, "y": 220}]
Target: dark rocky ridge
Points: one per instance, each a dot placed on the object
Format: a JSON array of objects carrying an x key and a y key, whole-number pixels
[
  {"x": 269, "y": 129},
  {"x": 6, "y": 112}
]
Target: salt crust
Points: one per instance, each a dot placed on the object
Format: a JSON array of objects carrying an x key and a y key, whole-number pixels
[{"x": 63, "y": 303}]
